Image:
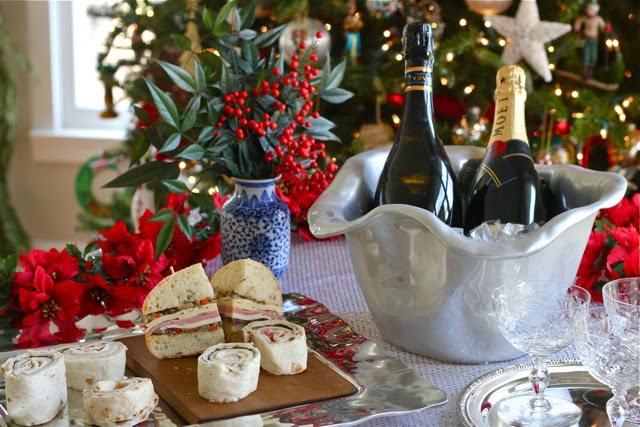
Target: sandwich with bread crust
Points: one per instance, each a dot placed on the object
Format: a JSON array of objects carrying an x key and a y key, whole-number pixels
[
  {"x": 181, "y": 315},
  {"x": 247, "y": 291}
]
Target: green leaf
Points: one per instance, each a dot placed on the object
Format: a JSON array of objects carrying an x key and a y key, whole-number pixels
[
  {"x": 185, "y": 227},
  {"x": 320, "y": 124},
  {"x": 144, "y": 173},
  {"x": 222, "y": 30},
  {"x": 224, "y": 11},
  {"x": 211, "y": 61},
  {"x": 192, "y": 152},
  {"x": 182, "y": 41},
  {"x": 141, "y": 114},
  {"x": 247, "y": 15},
  {"x": 179, "y": 76},
  {"x": 164, "y": 237},
  {"x": 326, "y": 73},
  {"x": 226, "y": 80},
  {"x": 202, "y": 201},
  {"x": 200, "y": 79},
  {"x": 208, "y": 18},
  {"x": 162, "y": 215},
  {"x": 172, "y": 143},
  {"x": 336, "y": 76},
  {"x": 206, "y": 135},
  {"x": 247, "y": 34},
  {"x": 191, "y": 113},
  {"x": 324, "y": 135},
  {"x": 160, "y": 196},
  {"x": 8, "y": 266},
  {"x": 336, "y": 95},
  {"x": 268, "y": 37},
  {"x": 140, "y": 147},
  {"x": 176, "y": 186},
  {"x": 166, "y": 108},
  {"x": 250, "y": 53},
  {"x": 73, "y": 251},
  {"x": 213, "y": 110}
]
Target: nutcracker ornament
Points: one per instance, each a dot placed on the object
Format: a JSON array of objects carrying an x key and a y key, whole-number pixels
[
  {"x": 589, "y": 27},
  {"x": 352, "y": 25}
]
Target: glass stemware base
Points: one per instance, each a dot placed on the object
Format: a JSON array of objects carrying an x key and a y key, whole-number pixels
[{"x": 520, "y": 410}]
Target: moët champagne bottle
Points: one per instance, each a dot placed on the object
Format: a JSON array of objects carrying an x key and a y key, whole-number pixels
[
  {"x": 418, "y": 171},
  {"x": 506, "y": 185}
]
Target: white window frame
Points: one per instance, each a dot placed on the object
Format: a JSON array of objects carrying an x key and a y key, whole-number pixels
[{"x": 60, "y": 133}]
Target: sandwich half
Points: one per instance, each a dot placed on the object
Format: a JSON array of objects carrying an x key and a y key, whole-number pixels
[
  {"x": 181, "y": 315},
  {"x": 247, "y": 291}
]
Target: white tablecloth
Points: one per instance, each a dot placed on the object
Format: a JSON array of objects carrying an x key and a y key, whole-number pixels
[{"x": 322, "y": 271}]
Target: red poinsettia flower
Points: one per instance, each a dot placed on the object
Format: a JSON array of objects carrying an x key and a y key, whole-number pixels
[
  {"x": 48, "y": 333},
  {"x": 48, "y": 300},
  {"x": 627, "y": 253},
  {"x": 624, "y": 213},
  {"x": 592, "y": 269},
  {"x": 99, "y": 297},
  {"x": 57, "y": 265},
  {"x": 118, "y": 240}
]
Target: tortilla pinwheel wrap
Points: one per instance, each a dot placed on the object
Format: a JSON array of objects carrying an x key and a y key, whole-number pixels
[
  {"x": 228, "y": 372},
  {"x": 35, "y": 386},
  {"x": 98, "y": 361},
  {"x": 122, "y": 403},
  {"x": 282, "y": 345}
]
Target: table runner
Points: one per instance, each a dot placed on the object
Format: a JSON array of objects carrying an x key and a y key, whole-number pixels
[{"x": 322, "y": 270}]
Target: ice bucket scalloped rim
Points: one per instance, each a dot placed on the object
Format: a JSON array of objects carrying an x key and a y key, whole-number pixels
[{"x": 327, "y": 219}]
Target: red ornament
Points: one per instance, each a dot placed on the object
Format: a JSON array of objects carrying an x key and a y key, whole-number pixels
[
  {"x": 561, "y": 127},
  {"x": 395, "y": 99}
]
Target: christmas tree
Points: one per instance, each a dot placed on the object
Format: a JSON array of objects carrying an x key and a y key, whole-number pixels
[{"x": 583, "y": 78}]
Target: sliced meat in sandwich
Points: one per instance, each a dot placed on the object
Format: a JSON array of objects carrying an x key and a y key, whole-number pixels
[
  {"x": 247, "y": 291},
  {"x": 181, "y": 315}
]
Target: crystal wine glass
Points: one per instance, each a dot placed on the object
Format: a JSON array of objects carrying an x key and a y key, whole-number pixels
[
  {"x": 536, "y": 318},
  {"x": 609, "y": 349},
  {"x": 622, "y": 298}
]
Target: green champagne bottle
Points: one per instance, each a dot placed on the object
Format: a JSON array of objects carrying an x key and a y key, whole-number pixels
[
  {"x": 418, "y": 171},
  {"x": 506, "y": 187}
]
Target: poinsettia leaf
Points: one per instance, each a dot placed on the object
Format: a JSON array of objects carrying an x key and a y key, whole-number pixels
[
  {"x": 182, "y": 41},
  {"x": 323, "y": 135},
  {"x": 619, "y": 268},
  {"x": 144, "y": 173},
  {"x": 224, "y": 12},
  {"x": 191, "y": 113},
  {"x": 162, "y": 216},
  {"x": 89, "y": 249},
  {"x": 185, "y": 227},
  {"x": 268, "y": 37},
  {"x": 336, "y": 95},
  {"x": 73, "y": 250},
  {"x": 192, "y": 152},
  {"x": 8, "y": 266},
  {"x": 164, "y": 237},
  {"x": 176, "y": 186},
  {"x": 165, "y": 105},
  {"x": 250, "y": 53},
  {"x": 226, "y": 80},
  {"x": 247, "y": 34},
  {"x": 336, "y": 76},
  {"x": 179, "y": 76},
  {"x": 172, "y": 143},
  {"x": 600, "y": 225},
  {"x": 199, "y": 78},
  {"x": 206, "y": 135},
  {"x": 247, "y": 15},
  {"x": 140, "y": 147},
  {"x": 208, "y": 18}
]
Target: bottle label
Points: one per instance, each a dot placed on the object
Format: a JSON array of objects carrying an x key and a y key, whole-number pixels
[
  {"x": 496, "y": 161},
  {"x": 417, "y": 78}
]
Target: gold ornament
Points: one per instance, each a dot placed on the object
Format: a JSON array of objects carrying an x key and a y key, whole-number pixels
[{"x": 488, "y": 7}]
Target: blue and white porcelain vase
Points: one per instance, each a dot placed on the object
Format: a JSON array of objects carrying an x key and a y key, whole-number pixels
[{"x": 255, "y": 224}]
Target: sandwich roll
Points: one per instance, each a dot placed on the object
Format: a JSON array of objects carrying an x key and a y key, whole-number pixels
[
  {"x": 282, "y": 345},
  {"x": 122, "y": 403},
  {"x": 86, "y": 364},
  {"x": 228, "y": 372},
  {"x": 35, "y": 385}
]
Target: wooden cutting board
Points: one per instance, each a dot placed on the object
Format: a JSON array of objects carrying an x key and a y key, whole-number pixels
[{"x": 176, "y": 382}]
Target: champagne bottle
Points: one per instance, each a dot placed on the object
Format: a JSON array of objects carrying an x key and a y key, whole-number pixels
[
  {"x": 506, "y": 185},
  {"x": 417, "y": 171}
]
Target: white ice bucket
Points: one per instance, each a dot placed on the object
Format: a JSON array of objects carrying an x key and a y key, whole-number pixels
[{"x": 426, "y": 285}]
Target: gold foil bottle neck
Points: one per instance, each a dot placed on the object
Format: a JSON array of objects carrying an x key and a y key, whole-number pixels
[{"x": 510, "y": 96}]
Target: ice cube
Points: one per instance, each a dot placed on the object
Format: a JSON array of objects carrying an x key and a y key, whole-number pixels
[{"x": 496, "y": 232}]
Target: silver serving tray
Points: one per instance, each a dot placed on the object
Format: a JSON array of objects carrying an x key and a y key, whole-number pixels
[
  {"x": 569, "y": 380},
  {"x": 385, "y": 385}
]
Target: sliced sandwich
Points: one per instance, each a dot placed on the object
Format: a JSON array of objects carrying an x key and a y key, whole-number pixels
[
  {"x": 181, "y": 315},
  {"x": 247, "y": 291}
]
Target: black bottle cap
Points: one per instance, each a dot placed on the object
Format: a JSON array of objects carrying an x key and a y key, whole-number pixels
[{"x": 417, "y": 39}]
